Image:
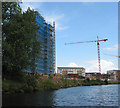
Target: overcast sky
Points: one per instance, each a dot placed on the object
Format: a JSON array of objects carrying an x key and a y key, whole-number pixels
[{"x": 82, "y": 21}]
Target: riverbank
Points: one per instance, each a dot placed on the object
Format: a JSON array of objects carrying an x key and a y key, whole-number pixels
[
  {"x": 35, "y": 83},
  {"x": 113, "y": 82}
]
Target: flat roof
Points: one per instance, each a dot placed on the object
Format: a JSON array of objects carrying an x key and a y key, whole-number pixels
[{"x": 71, "y": 67}]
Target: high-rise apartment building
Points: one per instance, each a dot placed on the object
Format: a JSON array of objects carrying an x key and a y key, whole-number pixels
[{"x": 46, "y": 63}]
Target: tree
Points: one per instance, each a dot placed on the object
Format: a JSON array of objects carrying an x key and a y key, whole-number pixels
[
  {"x": 106, "y": 82},
  {"x": 9, "y": 10},
  {"x": 88, "y": 80},
  {"x": 19, "y": 38},
  {"x": 31, "y": 29}
]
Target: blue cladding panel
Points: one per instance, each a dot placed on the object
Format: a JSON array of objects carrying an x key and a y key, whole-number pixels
[
  {"x": 43, "y": 34},
  {"x": 43, "y": 65}
]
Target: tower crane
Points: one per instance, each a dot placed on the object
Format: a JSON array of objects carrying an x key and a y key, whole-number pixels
[
  {"x": 112, "y": 55},
  {"x": 98, "y": 48}
]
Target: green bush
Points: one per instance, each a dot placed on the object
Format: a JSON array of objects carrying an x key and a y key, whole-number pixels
[
  {"x": 11, "y": 86},
  {"x": 24, "y": 87},
  {"x": 113, "y": 82},
  {"x": 27, "y": 88},
  {"x": 74, "y": 81},
  {"x": 31, "y": 81},
  {"x": 87, "y": 79},
  {"x": 48, "y": 84}
]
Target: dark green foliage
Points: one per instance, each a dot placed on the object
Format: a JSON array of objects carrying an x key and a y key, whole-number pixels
[
  {"x": 113, "y": 82},
  {"x": 9, "y": 86},
  {"x": 88, "y": 79},
  {"x": 46, "y": 84},
  {"x": 62, "y": 78},
  {"x": 31, "y": 81},
  {"x": 28, "y": 89},
  {"x": 49, "y": 85},
  {"x": 20, "y": 45},
  {"x": 88, "y": 82},
  {"x": 31, "y": 84},
  {"x": 75, "y": 81},
  {"x": 50, "y": 77},
  {"x": 9, "y": 10},
  {"x": 98, "y": 80}
]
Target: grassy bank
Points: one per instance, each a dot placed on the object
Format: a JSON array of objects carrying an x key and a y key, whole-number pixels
[
  {"x": 113, "y": 82},
  {"x": 35, "y": 83},
  {"x": 28, "y": 84}
]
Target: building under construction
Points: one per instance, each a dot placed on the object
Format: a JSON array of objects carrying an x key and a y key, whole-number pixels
[{"x": 46, "y": 35}]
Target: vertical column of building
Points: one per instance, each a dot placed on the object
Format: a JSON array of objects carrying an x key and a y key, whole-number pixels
[
  {"x": 45, "y": 46},
  {"x": 51, "y": 50},
  {"x": 48, "y": 48},
  {"x": 40, "y": 37},
  {"x": 54, "y": 58}
]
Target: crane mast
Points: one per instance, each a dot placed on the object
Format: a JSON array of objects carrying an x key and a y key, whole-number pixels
[
  {"x": 99, "y": 56},
  {"x": 98, "y": 48}
]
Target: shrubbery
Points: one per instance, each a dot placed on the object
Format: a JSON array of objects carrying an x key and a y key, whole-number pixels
[
  {"x": 28, "y": 84},
  {"x": 31, "y": 83}
]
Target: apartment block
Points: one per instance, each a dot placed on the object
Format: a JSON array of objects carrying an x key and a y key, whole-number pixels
[
  {"x": 46, "y": 35},
  {"x": 114, "y": 75}
]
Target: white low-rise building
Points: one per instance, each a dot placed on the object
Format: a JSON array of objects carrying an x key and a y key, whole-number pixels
[{"x": 71, "y": 70}]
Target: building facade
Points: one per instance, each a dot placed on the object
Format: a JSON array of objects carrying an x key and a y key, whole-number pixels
[
  {"x": 92, "y": 75},
  {"x": 105, "y": 76},
  {"x": 114, "y": 75},
  {"x": 46, "y": 35},
  {"x": 80, "y": 71}
]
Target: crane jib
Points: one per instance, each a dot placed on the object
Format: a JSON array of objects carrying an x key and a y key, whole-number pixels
[
  {"x": 86, "y": 41},
  {"x": 97, "y": 49}
]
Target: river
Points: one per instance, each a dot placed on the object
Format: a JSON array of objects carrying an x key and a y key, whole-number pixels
[{"x": 102, "y": 95}]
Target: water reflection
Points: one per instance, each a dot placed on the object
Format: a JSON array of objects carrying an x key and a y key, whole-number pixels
[
  {"x": 105, "y": 95},
  {"x": 34, "y": 99}
]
